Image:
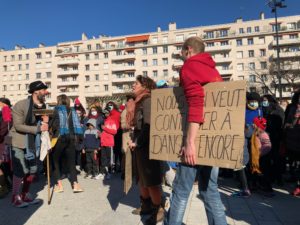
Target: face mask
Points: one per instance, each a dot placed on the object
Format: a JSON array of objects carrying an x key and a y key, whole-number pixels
[
  {"x": 265, "y": 104},
  {"x": 41, "y": 98},
  {"x": 253, "y": 105},
  {"x": 110, "y": 107},
  {"x": 94, "y": 113}
]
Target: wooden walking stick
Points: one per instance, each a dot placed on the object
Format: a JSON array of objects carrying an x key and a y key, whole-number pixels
[{"x": 46, "y": 112}]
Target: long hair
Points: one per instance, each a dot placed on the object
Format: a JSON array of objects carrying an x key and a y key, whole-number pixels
[{"x": 63, "y": 100}]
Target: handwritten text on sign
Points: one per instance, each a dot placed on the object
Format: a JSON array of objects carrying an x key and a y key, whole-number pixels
[{"x": 220, "y": 138}]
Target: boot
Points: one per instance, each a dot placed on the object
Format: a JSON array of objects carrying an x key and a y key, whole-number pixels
[
  {"x": 145, "y": 207},
  {"x": 3, "y": 187},
  {"x": 157, "y": 215}
]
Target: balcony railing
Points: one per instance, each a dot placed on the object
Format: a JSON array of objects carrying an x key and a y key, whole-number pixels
[
  {"x": 286, "y": 42},
  {"x": 67, "y": 72},
  {"x": 223, "y": 59},
  {"x": 68, "y": 61},
  {"x": 116, "y": 79},
  {"x": 63, "y": 83},
  {"x": 218, "y": 48}
]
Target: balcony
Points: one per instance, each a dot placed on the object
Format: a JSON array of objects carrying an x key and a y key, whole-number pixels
[
  {"x": 223, "y": 59},
  {"x": 218, "y": 48},
  {"x": 225, "y": 72},
  {"x": 116, "y": 79},
  {"x": 128, "y": 57},
  {"x": 67, "y": 72},
  {"x": 118, "y": 91},
  {"x": 69, "y": 93},
  {"x": 122, "y": 68},
  {"x": 287, "y": 54},
  {"x": 63, "y": 83},
  {"x": 286, "y": 42},
  {"x": 72, "y": 61}
]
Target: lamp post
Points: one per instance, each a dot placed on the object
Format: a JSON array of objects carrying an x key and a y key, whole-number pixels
[{"x": 274, "y": 4}]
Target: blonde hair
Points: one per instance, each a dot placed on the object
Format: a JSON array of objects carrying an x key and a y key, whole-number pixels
[{"x": 195, "y": 43}]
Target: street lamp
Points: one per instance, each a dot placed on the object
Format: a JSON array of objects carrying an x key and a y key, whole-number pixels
[{"x": 274, "y": 4}]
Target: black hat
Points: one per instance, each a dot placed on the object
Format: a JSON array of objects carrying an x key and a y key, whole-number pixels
[
  {"x": 36, "y": 85},
  {"x": 5, "y": 101},
  {"x": 253, "y": 96}
]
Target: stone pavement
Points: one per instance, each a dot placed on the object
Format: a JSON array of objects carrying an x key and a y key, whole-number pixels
[{"x": 104, "y": 203}]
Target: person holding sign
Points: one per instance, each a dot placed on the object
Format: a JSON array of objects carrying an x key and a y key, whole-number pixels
[
  {"x": 148, "y": 171},
  {"x": 198, "y": 69}
]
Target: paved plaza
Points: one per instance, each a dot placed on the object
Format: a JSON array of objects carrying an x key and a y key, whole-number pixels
[{"x": 104, "y": 203}]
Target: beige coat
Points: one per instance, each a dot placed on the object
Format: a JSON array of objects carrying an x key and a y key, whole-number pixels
[
  {"x": 19, "y": 129},
  {"x": 126, "y": 134}
]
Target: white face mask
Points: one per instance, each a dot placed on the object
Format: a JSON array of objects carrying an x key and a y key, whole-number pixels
[{"x": 94, "y": 113}]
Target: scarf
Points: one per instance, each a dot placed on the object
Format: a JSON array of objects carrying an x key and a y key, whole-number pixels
[
  {"x": 131, "y": 109},
  {"x": 63, "y": 120}
]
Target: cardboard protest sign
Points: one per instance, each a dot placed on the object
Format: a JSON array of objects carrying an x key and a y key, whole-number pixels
[{"x": 220, "y": 138}]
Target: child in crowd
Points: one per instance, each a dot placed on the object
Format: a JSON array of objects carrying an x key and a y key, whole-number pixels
[{"x": 91, "y": 145}]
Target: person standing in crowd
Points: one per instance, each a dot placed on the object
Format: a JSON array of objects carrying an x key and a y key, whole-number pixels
[
  {"x": 292, "y": 130},
  {"x": 64, "y": 126},
  {"x": 198, "y": 69},
  {"x": 95, "y": 113},
  {"x": 148, "y": 171},
  {"x": 274, "y": 115},
  {"x": 24, "y": 132},
  {"x": 91, "y": 145},
  {"x": 80, "y": 160},
  {"x": 5, "y": 125},
  {"x": 109, "y": 129}
]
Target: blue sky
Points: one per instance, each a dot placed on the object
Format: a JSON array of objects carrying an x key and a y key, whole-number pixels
[{"x": 29, "y": 22}]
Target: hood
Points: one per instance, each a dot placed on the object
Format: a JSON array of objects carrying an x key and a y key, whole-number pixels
[
  {"x": 93, "y": 122},
  {"x": 204, "y": 58}
]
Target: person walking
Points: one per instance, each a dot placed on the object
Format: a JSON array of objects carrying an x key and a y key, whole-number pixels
[
  {"x": 198, "y": 69},
  {"x": 25, "y": 130},
  {"x": 64, "y": 126}
]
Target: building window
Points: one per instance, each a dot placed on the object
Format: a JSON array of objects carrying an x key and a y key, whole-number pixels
[
  {"x": 154, "y": 62},
  {"x": 48, "y": 74},
  {"x": 105, "y": 87},
  {"x": 241, "y": 30},
  {"x": 256, "y": 28},
  {"x": 165, "y": 73},
  {"x": 96, "y": 76},
  {"x": 105, "y": 55},
  {"x": 262, "y": 52},
  {"x": 249, "y": 29},
  {"x": 105, "y": 66},
  {"x": 131, "y": 74},
  {"x": 27, "y": 56},
  {"x": 98, "y": 46},
  {"x": 240, "y": 66},
  {"x": 264, "y": 77},
  {"x": 239, "y": 42},
  {"x": 144, "y": 51},
  {"x": 87, "y": 78},
  {"x": 154, "y": 40},
  {"x": 87, "y": 67},
  {"x": 264, "y": 90},
  {"x": 119, "y": 52},
  {"x": 165, "y": 61},
  {"x": 154, "y": 73},
  {"x": 239, "y": 54},
  {"x": 179, "y": 38},
  {"x": 20, "y": 66},
  {"x": 38, "y": 55},
  {"x": 20, "y": 57},
  {"x": 274, "y": 27},
  {"x": 19, "y": 76},
  {"x": 223, "y": 43},
  {"x": 145, "y": 62},
  {"x": 130, "y": 63},
  {"x": 223, "y": 33},
  {"x": 252, "y": 78},
  {"x": 38, "y": 75},
  {"x": 27, "y": 66},
  {"x": 5, "y": 68},
  {"x": 291, "y": 26},
  {"x": 4, "y": 88},
  {"x": 74, "y": 78},
  {"x": 251, "y": 66},
  {"x": 48, "y": 54},
  {"x": 293, "y": 36},
  {"x": 96, "y": 55},
  {"x": 252, "y": 89},
  {"x": 145, "y": 73},
  {"x": 87, "y": 56},
  {"x": 165, "y": 49},
  {"x": 19, "y": 86},
  {"x": 96, "y": 66},
  {"x": 89, "y": 47},
  {"x": 27, "y": 76},
  {"x": 12, "y": 58},
  {"x": 251, "y": 53},
  {"x": 165, "y": 40},
  {"x": 154, "y": 49},
  {"x": 210, "y": 44},
  {"x": 263, "y": 65},
  {"x": 120, "y": 44},
  {"x": 209, "y": 34},
  {"x": 250, "y": 41}
]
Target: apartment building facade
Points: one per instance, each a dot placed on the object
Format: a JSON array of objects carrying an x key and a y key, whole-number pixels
[{"x": 107, "y": 66}]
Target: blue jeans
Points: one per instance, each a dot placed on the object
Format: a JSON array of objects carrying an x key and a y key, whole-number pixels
[{"x": 208, "y": 189}]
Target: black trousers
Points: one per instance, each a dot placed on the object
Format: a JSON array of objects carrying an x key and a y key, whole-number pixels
[
  {"x": 64, "y": 154},
  {"x": 92, "y": 166},
  {"x": 105, "y": 158}
]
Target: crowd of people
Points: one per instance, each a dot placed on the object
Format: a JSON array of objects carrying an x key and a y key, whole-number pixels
[{"x": 94, "y": 141}]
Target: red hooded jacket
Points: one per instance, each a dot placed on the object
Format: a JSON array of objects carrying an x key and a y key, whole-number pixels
[
  {"x": 197, "y": 71},
  {"x": 109, "y": 130}
]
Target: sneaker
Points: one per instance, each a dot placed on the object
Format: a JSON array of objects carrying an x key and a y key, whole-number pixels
[
  {"x": 243, "y": 194},
  {"x": 108, "y": 177},
  {"x": 99, "y": 176},
  {"x": 18, "y": 202},
  {"x": 88, "y": 176},
  {"x": 296, "y": 192},
  {"x": 27, "y": 198}
]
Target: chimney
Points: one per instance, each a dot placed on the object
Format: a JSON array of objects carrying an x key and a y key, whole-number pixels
[
  {"x": 172, "y": 26},
  {"x": 84, "y": 37},
  {"x": 239, "y": 20},
  {"x": 262, "y": 15},
  {"x": 17, "y": 47},
  {"x": 158, "y": 29},
  {"x": 41, "y": 45}
]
